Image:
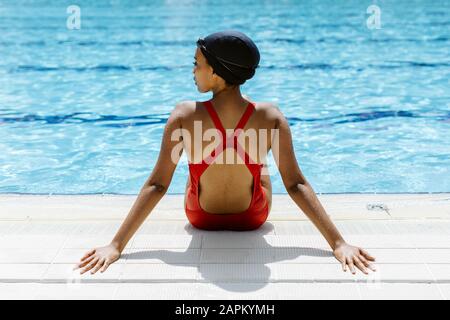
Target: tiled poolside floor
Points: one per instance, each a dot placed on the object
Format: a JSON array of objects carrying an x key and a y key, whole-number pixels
[{"x": 42, "y": 237}]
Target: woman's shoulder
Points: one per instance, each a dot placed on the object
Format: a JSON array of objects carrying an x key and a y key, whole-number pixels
[
  {"x": 268, "y": 109},
  {"x": 265, "y": 105},
  {"x": 185, "y": 105},
  {"x": 184, "y": 108}
]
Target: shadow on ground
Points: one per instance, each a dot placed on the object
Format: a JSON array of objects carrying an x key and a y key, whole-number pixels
[{"x": 251, "y": 279}]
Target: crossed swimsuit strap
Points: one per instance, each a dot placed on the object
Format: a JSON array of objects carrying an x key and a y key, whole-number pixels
[{"x": 227, "y": 140}]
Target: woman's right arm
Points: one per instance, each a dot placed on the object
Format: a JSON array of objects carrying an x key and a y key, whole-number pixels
[{"x": 150, "y": 194}]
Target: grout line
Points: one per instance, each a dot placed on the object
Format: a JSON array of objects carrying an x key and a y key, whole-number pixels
[
  {"x": 241, "y": 263},
  {"x": 435, "y": 281},
  {"x": 240, "y": 281},
  {"x": 359, "y": 291},
  {"x": 116, "y": 289},
  {"x": 222, "y": 263},
  {"x": 200, "y": 256}
]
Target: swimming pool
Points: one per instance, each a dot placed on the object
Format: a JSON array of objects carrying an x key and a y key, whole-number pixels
[{"x": 82, "y": 110}]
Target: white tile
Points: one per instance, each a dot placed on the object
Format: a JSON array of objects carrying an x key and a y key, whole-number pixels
[
  {"x": 195, "y": 291},
  {"x": 399, "y": 291},
  {"x": 317, "y": 291},
  {"x": 99, "y": 207},
  {"x": 166, "y": 242},
  {"x": 174, "y": 227},
  {"x": 160, "y": 227},
  {"x": 398, "y": 273},
  {"x": 389, "y": 255},
  {"x": 346, "y": 227},
  {"x": 237, "y": 256},
  {"x": 246, "y": 240},
  {"x": 18, "y": 228},
  {"x": 440, "y": 271},
  {"x": 22, "y": 271},
  {"x": 43, "y": 228},
  {"x": 142, "y": 256},
  {"x": 304, "y": 255},
  {"x": 32, "y": 241},
  {"x": 406, "y": 255},
  {"x": 297, "y": 241},
  {"x": 234, "y": 272},
  {"x": 64, "y": 273},
  {"x": 76, "y": 291},
  {"x": 5, "y": 226},
  {"x": 434, "y": 255},
  {"x": 365, "y": 227},
  {"x": 294, "y": 228},
  {"x": 334, "y": 273},
  {"x": 311, "y": 272},
  {"x": 210, "y": 264},
  {"x": 413, "y": 227},
  {"x": 102, "y": 228},
  {"x": 429, "y": 240},
  {"x": 444, "y": 288},
  {"x": 376, "y": 241},
  {"x": 269, "y": 255},
  {"x": 17, "y": 291},
  {"x": 73, "y": 256},
  {"x": 155, "y": 291},
  {"x": 234, "y": 239},
  {"x": 237, "y": 291},
  {"x": 160, "y": 272},
  {"x": 87, "y": 242},
  {"x": 167, "y": 291},
  {"x": 27, "y": 255}
]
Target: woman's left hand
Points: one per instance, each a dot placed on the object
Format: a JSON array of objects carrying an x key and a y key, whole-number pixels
[{"x": 351, "y": 256}]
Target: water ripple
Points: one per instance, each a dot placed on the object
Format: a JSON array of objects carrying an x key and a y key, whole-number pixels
[
  {"x": 184, "y": 43},
  {"x": 101, "y": 67},
  {"x": 115, "y": 121},
  {"x": 303, "y": 66},
  {"x": 88, "y": 117}
]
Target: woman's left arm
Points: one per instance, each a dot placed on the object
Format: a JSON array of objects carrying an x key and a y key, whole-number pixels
[{"x": 304, "y": 196}]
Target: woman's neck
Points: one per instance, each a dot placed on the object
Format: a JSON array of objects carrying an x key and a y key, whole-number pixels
[{"x": 228, "y": 96}]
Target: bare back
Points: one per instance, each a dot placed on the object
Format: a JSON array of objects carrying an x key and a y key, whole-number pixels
[{"x": 226, "y": 186}]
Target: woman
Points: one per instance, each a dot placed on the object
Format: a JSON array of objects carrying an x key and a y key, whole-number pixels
[{"x": 231, "y": 194}]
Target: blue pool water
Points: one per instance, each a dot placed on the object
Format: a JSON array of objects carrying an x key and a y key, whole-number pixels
[{"x": 82, "y": 111}]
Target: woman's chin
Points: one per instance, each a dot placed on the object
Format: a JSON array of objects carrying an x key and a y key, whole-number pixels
[{"x": 200, "y": 89}]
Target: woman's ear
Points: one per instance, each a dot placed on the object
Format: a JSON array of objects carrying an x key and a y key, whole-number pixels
[{"x": 216, "y": 78}]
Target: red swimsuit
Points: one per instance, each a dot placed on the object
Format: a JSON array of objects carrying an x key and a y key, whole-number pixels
[{"x": 250, "y": 219}]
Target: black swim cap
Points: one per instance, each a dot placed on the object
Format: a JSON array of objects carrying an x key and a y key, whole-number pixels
[{"x": 231, "y": 54}]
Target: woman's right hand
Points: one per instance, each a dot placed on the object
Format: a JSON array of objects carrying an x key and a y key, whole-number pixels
[{"x": 98, "y": 258}]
